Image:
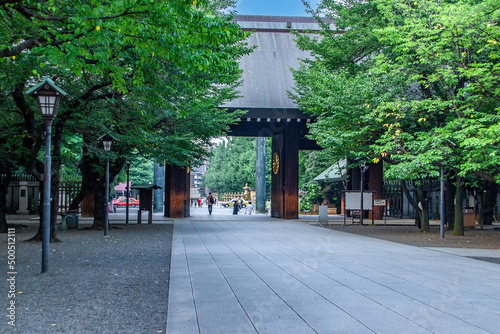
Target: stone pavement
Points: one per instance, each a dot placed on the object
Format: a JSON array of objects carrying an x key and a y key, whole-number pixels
[
  {"x": 246, "y": 274},
  {"x": 255, "y": 274}
]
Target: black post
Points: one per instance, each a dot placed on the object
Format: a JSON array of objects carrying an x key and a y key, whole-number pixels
[
  {"x": 364, "y": 168},
  {"x": 106, "y": 192},
  {"x": 442, "y": 206},
  {"x": 361, "y": 198},
  {"x": 46, "y": 197},
  {"x": 127, "y": 192}
]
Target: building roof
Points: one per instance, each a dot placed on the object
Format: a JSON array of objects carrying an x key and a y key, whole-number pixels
[
  {"x": 266, "y": 71},
  {"x": 333, "y": 173},
  {"x": 122, "y": 186},
  {"x": 46, "y": 81},
  {"x": 146, "y": 186}
]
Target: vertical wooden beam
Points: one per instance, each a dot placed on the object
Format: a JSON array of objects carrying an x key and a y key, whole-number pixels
[
  {"x": 291, "y": 172},
  {"x": 187, "y": 192},
  {"x": 176, "y": 192},
  {"x": 88, "y": 205},
  {"x": 277, "y": 175},
  {"x": 260, "y": 175},
  {"x": 285, "y": 176}
]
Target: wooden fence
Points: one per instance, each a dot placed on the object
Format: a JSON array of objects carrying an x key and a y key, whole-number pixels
[{"x": 25, "y": 185}]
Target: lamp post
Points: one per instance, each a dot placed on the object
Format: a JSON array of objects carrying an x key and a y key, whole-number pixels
[
  {"x": 363, "y": 167},
  {"x": 127, "y": 164},
  {"x": 107, "y": 141},
  {"x": 48, "y": 96}
]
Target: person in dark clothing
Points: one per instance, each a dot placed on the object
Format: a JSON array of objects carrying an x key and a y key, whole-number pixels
[
  {"x": 210, "y": 202},
  {"x": 237, "y": 205}
]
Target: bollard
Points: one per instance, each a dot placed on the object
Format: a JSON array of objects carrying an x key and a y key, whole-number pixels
[
  {"x": 323, "y": 214},
  {"x": 63, "y": 226}
]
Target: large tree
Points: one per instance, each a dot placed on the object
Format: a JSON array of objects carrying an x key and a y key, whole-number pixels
[
  {"x": 151, "y": 73},
  {"x": 411, "y": 84}
]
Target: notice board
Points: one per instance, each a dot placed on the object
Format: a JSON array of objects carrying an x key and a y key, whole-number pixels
[{"x": 353, "y": 200}]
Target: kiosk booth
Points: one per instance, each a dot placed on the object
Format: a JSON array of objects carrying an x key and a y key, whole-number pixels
[{"x": 145, "y": 200}]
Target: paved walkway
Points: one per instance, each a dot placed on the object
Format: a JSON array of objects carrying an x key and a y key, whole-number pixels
[{"x": 255, "y": 274}]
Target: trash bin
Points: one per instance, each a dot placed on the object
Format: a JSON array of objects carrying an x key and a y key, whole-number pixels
[
  {"x": 469, "y": 219},
  {"x": 72, "y": 219}
]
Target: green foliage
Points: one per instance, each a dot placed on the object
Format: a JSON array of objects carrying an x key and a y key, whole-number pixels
[
  {"x": 311, "y": 164},
  {"x": 141, "y": 172},
  {"x": 311, "y": 195},
  {"x": 151, "y": 73},
  {"x": 412, "y": 84},
  {"x": 232, "y": 165}
]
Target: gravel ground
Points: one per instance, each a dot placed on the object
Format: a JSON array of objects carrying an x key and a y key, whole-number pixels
[
  {"x": 488, "y": 238},
  {"x": 117, "y": 284}
]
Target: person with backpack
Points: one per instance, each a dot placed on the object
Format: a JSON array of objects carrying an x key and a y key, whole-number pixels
[
  {"x": 210, "y": 202},
  {"x": 238, "y": 204}
]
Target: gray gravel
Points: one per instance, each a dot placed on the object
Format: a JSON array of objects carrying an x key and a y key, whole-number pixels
[{"x": 117, "y": 284}]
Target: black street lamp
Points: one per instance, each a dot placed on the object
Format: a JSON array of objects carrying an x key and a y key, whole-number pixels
[
  {"x": 48, "y": 96},
  {"x": 127, "y": 165},
  {"x": 107, "y": 141},
  {"x": 363, "y": 167}
]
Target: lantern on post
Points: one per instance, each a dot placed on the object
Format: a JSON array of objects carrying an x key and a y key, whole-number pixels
[
  {"x": 107, "y": 141},
  {"x": 363, "y": 168},
  {"x": 127, "y": 165},
  {"x": 48, "y": 96}
]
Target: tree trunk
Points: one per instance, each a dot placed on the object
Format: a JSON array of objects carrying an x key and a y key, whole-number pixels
[
  {"x": 90, "y": 177},
  {"x": 489, "y": 201},
  {"x": 450, "y": 203},
  {"x": 93, "y": 181},
  {"x": 458, "y": 228},
  {"x": 54, "y": 206},
  {"x": 4, "y": 187},
  {"x": 422, "y": 209},
  {"x": 98, "y": 223}
]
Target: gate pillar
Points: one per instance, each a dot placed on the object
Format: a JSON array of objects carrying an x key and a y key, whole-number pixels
[
  {"x": 376, "y": 183},
  {"x": 176, "y": 192},
  {"x": 285, "y": 175}
]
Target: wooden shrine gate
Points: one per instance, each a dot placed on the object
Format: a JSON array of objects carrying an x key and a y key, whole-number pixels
[{"x": 267, "y": 79}]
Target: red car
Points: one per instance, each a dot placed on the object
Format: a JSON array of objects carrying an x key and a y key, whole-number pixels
[{"x": 122, "y": 202}]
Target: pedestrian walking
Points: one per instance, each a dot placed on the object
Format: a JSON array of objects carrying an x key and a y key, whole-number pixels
[
  {"x": 249, "y": 209},
  {"x": 237, "y": 205},
  {"x": 210, "y": 202}
]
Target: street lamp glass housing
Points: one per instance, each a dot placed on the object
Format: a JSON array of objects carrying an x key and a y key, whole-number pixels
[
  {"x": 106, "y": 143},
  {"x": 48, "y": 104}
]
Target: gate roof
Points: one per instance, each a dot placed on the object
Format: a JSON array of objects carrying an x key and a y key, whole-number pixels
[
  {"x": 267, "y": 76},
  {"x": 266, "y": 71}
]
